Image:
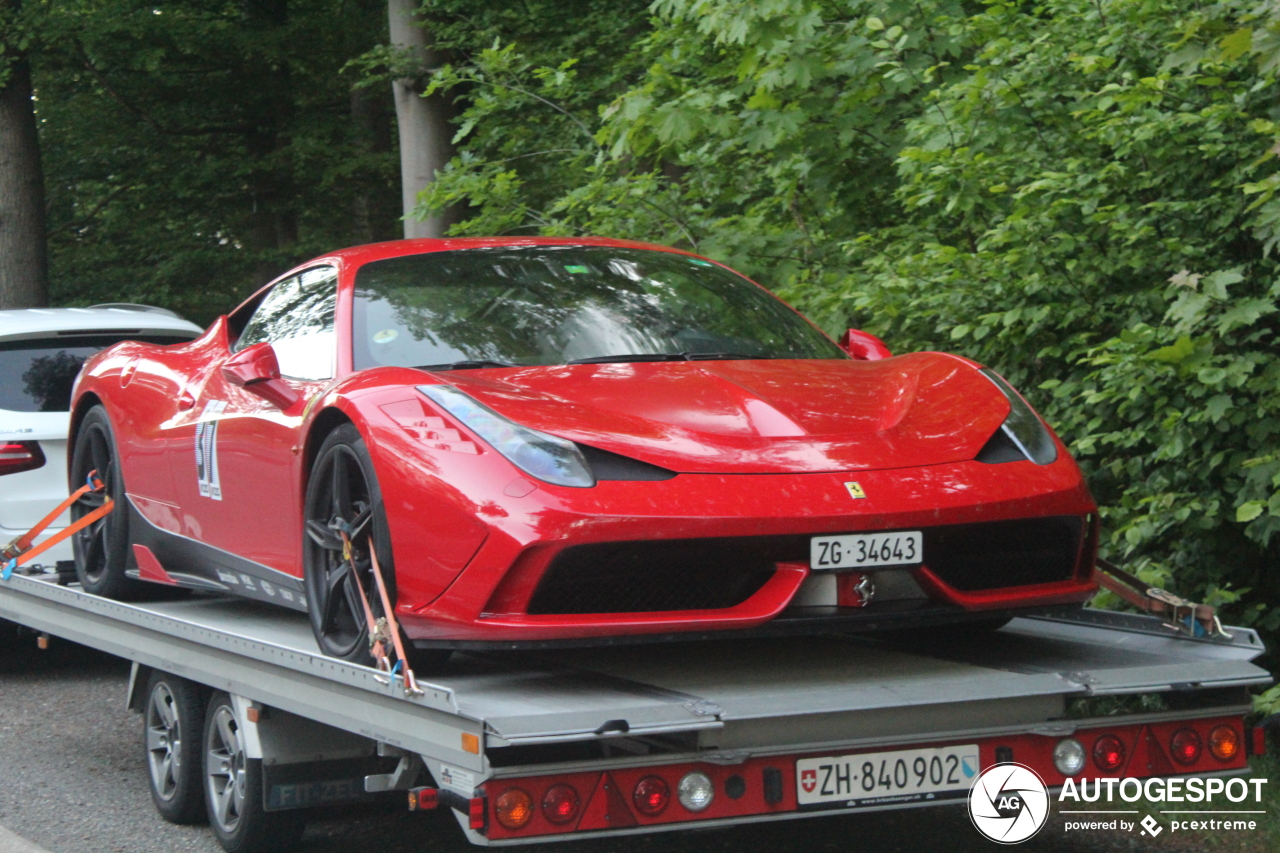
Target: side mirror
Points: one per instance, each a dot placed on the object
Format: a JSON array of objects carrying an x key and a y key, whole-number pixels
[
  {"x": 256, "y": 369},
  {"x": 863, "y": 346}
]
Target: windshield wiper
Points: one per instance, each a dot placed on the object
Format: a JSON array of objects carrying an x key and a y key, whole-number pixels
[
  {"x": 664, "y": 356},
  {"x": 645, "y": 356},
  {"x": 464, "y": 365}
]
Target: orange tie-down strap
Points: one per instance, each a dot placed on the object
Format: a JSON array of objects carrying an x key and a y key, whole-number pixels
[
  {"x": 20, "y": 550},
  {"x": 1197, "y": 619}
]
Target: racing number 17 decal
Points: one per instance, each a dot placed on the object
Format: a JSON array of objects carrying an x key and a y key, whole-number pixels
[{"x": 207, "y": 450}]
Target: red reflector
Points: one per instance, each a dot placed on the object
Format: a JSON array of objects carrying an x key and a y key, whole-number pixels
[
  {"x": 1259, "y": 740},
  {"x": 18, "y": 456},
  {"x": 560, "y": 804},
  {"x": 1108, "y": 753},
  {"x": 1185, "y": 746},
  {"x": 651, "y": 795},
  {"x": 475, "y": 811}
]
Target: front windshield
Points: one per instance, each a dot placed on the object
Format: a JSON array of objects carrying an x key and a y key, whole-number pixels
[{"x": 541, "y": 305}]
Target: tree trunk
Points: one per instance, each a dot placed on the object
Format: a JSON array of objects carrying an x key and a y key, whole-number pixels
[
  {"x": 425, "y": 132},
  {"x": 24, "y": 262}
]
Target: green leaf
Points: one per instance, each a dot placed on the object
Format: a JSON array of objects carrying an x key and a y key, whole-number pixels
[
  {"x": 1249, "y": 511},
  {"x": 1175, "y": 352},
  {"x": 1237, "y": 44}
]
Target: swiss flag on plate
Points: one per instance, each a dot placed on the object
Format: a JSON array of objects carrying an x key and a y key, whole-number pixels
[{"x": 808, "y": 780}]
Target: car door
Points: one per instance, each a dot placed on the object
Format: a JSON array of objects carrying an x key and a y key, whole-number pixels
[{"x": 242, "y": 491}]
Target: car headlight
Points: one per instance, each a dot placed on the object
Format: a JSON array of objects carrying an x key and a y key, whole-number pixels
[
  {"x": 549, "y": 458},
  {"x": 1023, "y": 426}
]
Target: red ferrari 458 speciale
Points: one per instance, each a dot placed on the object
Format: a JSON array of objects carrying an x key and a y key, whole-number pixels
[{"x": 568, "y": 441}]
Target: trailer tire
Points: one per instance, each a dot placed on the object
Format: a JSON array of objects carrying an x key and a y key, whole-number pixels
[
  {"x": 172, "y": 729},
  {"x": 233, "y": 789}
]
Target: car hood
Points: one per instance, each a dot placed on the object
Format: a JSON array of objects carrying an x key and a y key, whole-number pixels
[{"x": 760, "y": 416}]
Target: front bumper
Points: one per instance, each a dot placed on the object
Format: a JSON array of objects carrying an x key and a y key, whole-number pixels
[{"x": 488, "y": 602}]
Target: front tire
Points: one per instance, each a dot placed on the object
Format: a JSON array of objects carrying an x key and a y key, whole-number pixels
[
  {"x": 343, "y": 495},
  {"x": 233, "y": 789},
  {"x": 102, "y": 548}
]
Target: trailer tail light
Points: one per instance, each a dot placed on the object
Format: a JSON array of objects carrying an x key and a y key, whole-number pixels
[
  {"x": 560, "y": 804},
  {"x": 695, "y": 791},
  {"x": 1259, "y": 745},
  {"x": 16, "y": 456},
  {"x": 1185, "y": 746},
  {"x": 514, "y": 808},
  {"x": 1224, "y": 743},
  {"x": 651, "y": 795},
  {"x": 1068, "y": 756},
  {"x": 1108, "y": 753}
]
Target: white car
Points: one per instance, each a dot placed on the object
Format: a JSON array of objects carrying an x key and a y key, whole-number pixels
[{"x": 41, "y": 350}]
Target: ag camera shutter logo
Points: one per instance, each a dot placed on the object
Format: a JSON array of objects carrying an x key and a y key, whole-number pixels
[{"x": 1009, "y": 803}]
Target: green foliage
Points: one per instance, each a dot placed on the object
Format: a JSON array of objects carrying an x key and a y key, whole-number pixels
[
  {"x": 1081, "y": 194},
  {"x": 194, "y": 149}
]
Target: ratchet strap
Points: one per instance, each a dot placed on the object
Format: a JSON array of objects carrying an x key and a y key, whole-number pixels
[
  {"x": 1188, "y": 617},
  {"x": 383, "y": 628},
  {"x": 20, "y": 550}
]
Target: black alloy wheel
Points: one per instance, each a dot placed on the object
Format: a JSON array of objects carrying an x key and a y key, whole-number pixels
[
  {"x": 343, "y": 497},
  {"x": 102, "y": 548}
]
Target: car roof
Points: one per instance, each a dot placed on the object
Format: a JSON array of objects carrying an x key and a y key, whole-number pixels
[
  {"x": 141, "y": 319},
  {"x": 396, "y": 248}
]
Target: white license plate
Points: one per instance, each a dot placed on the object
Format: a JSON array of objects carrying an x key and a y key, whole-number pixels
[
  {"x": 861, "y": 550},
  {"x": 879, "y": 778}
]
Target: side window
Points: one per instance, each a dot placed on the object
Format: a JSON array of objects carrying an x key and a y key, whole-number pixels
[{"x": 297, "y": 318}]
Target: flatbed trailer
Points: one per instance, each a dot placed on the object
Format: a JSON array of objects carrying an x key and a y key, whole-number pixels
[{"x": 572, "y": 743}]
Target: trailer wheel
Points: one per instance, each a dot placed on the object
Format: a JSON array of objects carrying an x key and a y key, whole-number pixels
[
  {"x": 173, "y": 723},
  {"x": 102, "y": 548},
  {"x": 233, "y": 789},
  {"x": 343, "y": 493}
]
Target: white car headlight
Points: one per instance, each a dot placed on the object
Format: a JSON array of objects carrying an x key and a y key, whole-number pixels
[
  {"x": 1023, "y": 426},
  {"x": 549, "y": 458}
]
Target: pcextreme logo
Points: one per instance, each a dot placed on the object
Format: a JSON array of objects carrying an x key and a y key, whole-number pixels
[{"x": 1009, "y": 803}]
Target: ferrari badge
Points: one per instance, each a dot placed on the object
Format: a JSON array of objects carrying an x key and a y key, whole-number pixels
[{"x": 855, "y": 491}]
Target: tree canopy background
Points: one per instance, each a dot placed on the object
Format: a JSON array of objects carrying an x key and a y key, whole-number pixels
[{"x": 1079, "y": 193}]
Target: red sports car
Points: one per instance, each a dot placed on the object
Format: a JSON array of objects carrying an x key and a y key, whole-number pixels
[{"x": 569, "y": 441}]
